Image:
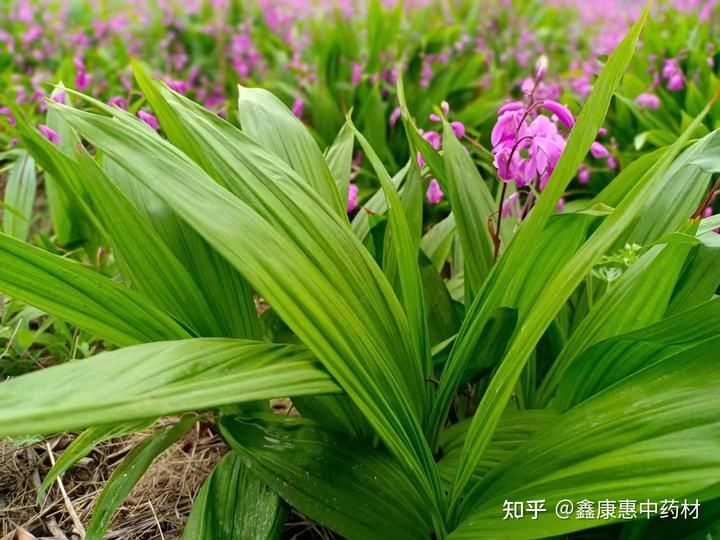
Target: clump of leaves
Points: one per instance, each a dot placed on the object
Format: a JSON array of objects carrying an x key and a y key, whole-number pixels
[{"x": 420, "y": 412}]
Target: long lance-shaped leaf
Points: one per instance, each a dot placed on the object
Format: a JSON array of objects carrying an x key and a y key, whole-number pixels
[
  {"x": 339, "y": 157},
  {"x": 299, "y": 255},
  {"x": 611, "y": 360},
  {"x": 267, "y": 120},
  {"x": 63, "y": 207},
  {"x": 472, "y": 205},
  {"x": 485, "y": 303},
  {"x": 655, "y": 435},
  {"x": 406, "y": 250},
  {"x": 20, "y": 195},
  {"x": 376, "y": 204},
  {"x": 345, "y": 484},
  {"x": 81, "y": 296},
  {"x": 126, "y": 475},
  {"x": 639, "y": 297},
  {"x": 83, "y": 444},
  {"x": 556, "y": 293},
  {"x": 246, "y": 169},
  {"x": 234, "y": 503},
  {"x": 145, "y": 260},
  {"x": 514, "y": 430},
  {"x": 227, "y": 290},
  {"x": 438, "y": 241},
  {"x": 156, "y": 379}
]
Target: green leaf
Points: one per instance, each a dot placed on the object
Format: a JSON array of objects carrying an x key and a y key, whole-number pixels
[
  {"x": 376, "y": 205},
  {"x": 438, "y": 240},
  {"x": 678, "y": 194},
  {"x": 20, "y": 196},
  {"x": 406, "y": 250},
  {"x": 556, "y": 292},
  {"x": 146, "y": 262},
  {"x": 638, "y": 298},
  {"x": 611, "y": 360},
  {"x": 339, "y": 159},
  {"x": 655, "y": 435},
  {"x": 83, "y": 444},
  {"x": 699, "y": 280},
  {"x": 472, "y": 206},
  {"x": 515, "y": 428},
  {"x": 81, "y": 296},
  {"x": 234, "y": 503},
  {"x": 299, "y": 255},
  {"x": 156, "y": 379},
  {"x": 62, "y": 206},
  {"x": 226, "y": 291},
  {"x": 126, "y": 475},
  {"x": 354, "y": 489},
  {"x": 267, "y": 120}
]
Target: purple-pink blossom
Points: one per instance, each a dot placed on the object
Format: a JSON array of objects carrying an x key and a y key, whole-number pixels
[
  {"x": 526, "y": 145},
  {"x": 118, "y": 102},
  {"x": 647, "y": 100},
  {"x": 563, "y": 114},
  {"x": 298, "y": 107},
  {"x": 149, "y": 119},
  {"x": 673, "y": 74},
  {"x": 352, "y": 201},
  {"x": 5, "y": 111},
  {"x": 49, "y": 133},
  {"x": 434, "y": 193},
  {"x": 583, "y": 174},
  {"x": 598, "y": 151}
]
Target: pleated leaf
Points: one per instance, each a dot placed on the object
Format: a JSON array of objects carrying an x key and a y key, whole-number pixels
[
  {"x": 354, "y": 489},
  {"x": 234, "y": 503},
  {"x": 267, "y": 120},
  {"x": 654, "y": 435},
  {"x": 156, "y": 379},
  {"x": 81, "y": 296}
]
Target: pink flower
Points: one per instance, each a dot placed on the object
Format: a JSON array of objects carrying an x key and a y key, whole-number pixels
[
  {"x": 5, "y": 111},
  {"x": 458, "y": 129},
  {"x": 511, "y": 106},
  {"x": 178, "y": 86},
  {"x": 510, "y": 126},
  {"x": 541, "y": 67},
  {"x": 673, "y": 74},
  {"x": 394, "y": 116},
  {"x": 676, "y": 82},
  {"x": 357, "y": 73},
  {"x": 560, "y": 205},
  {"x": 118, "y": 102},
  {"x": 352, "y": 202},
  {"x": 598, "y": 151},
  {"x": 561, "y": 111},
  {"x": 298, "y": 107},
  {"x": 59, "y": 97},
  {"x": 583, "y": 174},
  {"x": 434, "y": 194},
  {"x": 648, "y": 101},
  {"x": 50, "y": 134},
  {"x": 149, "y": 119},
  {"x": 511, "y": 205},
  {"x": 433, "y": 138}
]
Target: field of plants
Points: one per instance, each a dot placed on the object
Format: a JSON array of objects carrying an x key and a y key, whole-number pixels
[{"x": 325, "y": 269}]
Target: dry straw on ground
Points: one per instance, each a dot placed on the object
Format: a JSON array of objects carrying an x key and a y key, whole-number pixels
[{"x": 157, "y": 507}]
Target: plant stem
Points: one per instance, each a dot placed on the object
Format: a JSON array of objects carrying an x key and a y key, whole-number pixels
[{"x": 496, "y": 235}]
